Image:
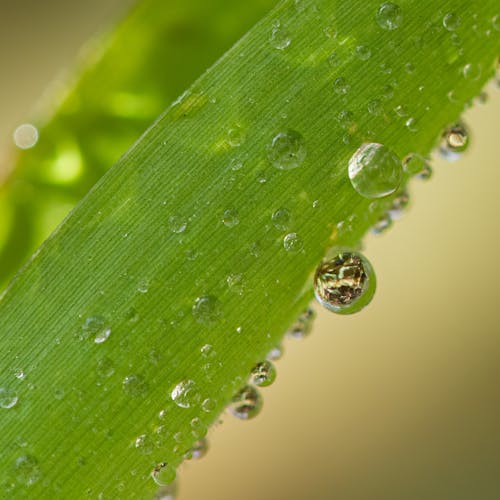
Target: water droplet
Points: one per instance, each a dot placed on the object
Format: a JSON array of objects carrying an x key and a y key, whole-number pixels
[
  {"x": 293, "y": 243},
  {"x": 341, "y": 86},
  {"x": 186, "y": 394},
  {"x": 302, "y": 326},
  {"x": 287, "y": 150},
  {"x": 345, "y": 284},
  {"x": 236, "y": 283},
  {"x": 375, "y": 107},
  {"x": 134, "y": 386},
  {"x": 451, "y": 21},
  {"x": 263, "y": 374},
  {"x": 236, "y": 164},
  {"x": 399, "y": 205},
  {"x": 163, "y": 474},
  {"x": 389, "y": 16},
  {"x": 275, "y": 353},
  {"x": 105, "y": 367},
  {"x": 143, "y": 286},
  {"x": 20, "y": 374},
  {"x": 144, "y": 444},
  {"x": 198, "y": 450},
  {"x": 415, "y": 164},
  {"x": 208, "y": 405},
  {"x": 382, "y": 225},
  {"x": 411, "y": 125},
  {"x": 375, "y": 171},
  {"x": 167, "y": 492},
  {"x": 454, "y": 141},
  {"x": 363, "y": 52},
  {"x": 472, "y": 71},
  {"x": 280, "y": 37},
  {"x": 282, "y": 219},
  {"x": 59, "y": 393},
  {"x": 208, "y": 351},
  {"x": 236, "y": 136},
  {"x": 334, "y": 60},
  {"x": 246, "y": 403},
  {"x": 27, "y": 470},
  {"x": 8, "y": 398},
  {"x": 230, "y": 218},
  {"x": 207, "y": 310},
  {"x": 97, "y": 327},
  {"x": 177, "y": 224},
  {"x": 496, "y": 22}
]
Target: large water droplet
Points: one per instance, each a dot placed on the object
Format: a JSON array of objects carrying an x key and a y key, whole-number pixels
[
  {"x": 375, "y": 171},
  {"x": 163, "y": 474},
  {"x": 8, "y": 398},
  {"x": 389, "y": 16},
  {"x": 207, "y": 310},
  {"x": 303, "y": 324},
  {"x": 263, "y": 374},
  {"x": 275, "y": 353},
  {"x": 287, "y": 150},
  {"x": 246, "y": 403},
  {"x": 27, "y": 470},
  {"x": 345, "y": 284},
  {"x": 186, "y": 394}
]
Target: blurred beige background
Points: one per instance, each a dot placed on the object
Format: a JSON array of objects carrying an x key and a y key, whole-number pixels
[{"x": 400, "y": 402}]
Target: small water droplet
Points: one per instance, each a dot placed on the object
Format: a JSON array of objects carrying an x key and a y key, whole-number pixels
[
  {"x": 8, "y": 398},
  {"x": 472, "y": 71},
  {"x": 375, "y": 171},
  {"x": 345, "y": 284},
  {"x": 375, "y": 107},
  {"x": 263, "y": 374},
  {"x": 230, "y": 218},
  {"x": 236, "y": 136},
  {"x": 282, "y": 219},
  {"x": 389, "y": 16},
  {"x": 246, "y": 403},
  {"x": 302, "y": 326},
  {"x": 236, "y": 283},
  {"x": 236, "y": 164},
  {"x": 207, "y": 310},
  {"x": 287, "y": 150},
  {"x": 293, "y": 243},
  {"x": 454, "y": 141},
  {"x": 382, "y": 225},
  {"x": 452, "y": 21},
  {"x": 134, "y": 386},
  {"x": 208, "y": 351},
  {"x": 27, "y": 470},
  {"x": 275, "y": 353},
  {"x": 340, "y": 86},
  {"x": 59, "y": 393},
  {"x": 399, "y": 205},
  {"x": 20, "y": 374},
  {"x": 167, "y": 492},
  {"x": 411, "y": 125},
  {"x": 143, "y": 286},
  {"x": 186, "y": 394},
  {"x": 208, "y": 405},
  {"x": 96, "y": 327},
  {"x": 105, "y": 367},
  {"x": 198, "y": 450},
  {"x": 177, "y": 224},
  {"x": 144, "y": 444},
  {"x": 280, "y": 37},
  {"x": 163, "y": 474},
  {"x": 363, "y": 52},
  {"x": 334, "y": 60},
  {"x": 415, "y": 164}
]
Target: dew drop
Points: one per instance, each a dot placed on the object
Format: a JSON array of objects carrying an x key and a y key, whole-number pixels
[
  {"x": 363, "y": 52},
  {"x": 280, "y": 37},
  {"x": 8, "y": 398},
  {"x": 375, "y": 171},
  {"x": 263, "y": 374},
  {"x": 208, "y": 405},
  {"x": 144, "y": 444},
  {"x": 230, "y": 218},
  {"x": 340, "y": 86},
  {"x": 455, "y": 139},
  {"x": 472, "y": 71},
  {"x": 293, "y": 243},
  {"x": 143, "y": 286},
  {"x": 375, "y": 107},
  {"x": 399, "y": 205},
  {"x": 382, "y": 225},
  {"x": 186, "y": 394},
  {"x": 246, "y": 403},
  {"x": 27, "y": 470},
  {"x": 236, "y": 136},
  {"x": 451, "y": 21},
  {"x": 389, "y": 16},
  {"x": 134, "y": 386},
  {"x": 97, "y": 327},
  {"x": 236, "y": 283},
  {"x": 105, "y": 368},
  {"x": 415, "y": 164},
  {"x": 302, "y": 326},
  {"x": 275, "y": 353},
  {"x": 287, "y": 150},
  {"x": 198, "y": 450},
  {"x": 167, "y": 492},
  {"x": 207, "y": 310},
  {"x": 281, "y": 219},
  {"x": 177, "y": 224},
  {"x": 163, "y": 474},
  {"x": 208, "y": 351},
  {"x": 345, "y": 284}
]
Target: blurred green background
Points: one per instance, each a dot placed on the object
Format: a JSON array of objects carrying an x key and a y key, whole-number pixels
[{"x": 399, "y": 402}]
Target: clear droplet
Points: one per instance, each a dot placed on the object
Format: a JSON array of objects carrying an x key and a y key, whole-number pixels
[
  {"x": 287, "y": 150},
  {"x": 389, "y": 16},
  {"x": 275, "y": 353},
  {"x": 177, "y": 224},
  {"x": 363, "y": 52},
  {"x": 415, "y": 164},
  {"x": 399, "y": 205},
  {"x": 134, "y": 386},
  {"x": 208, "y": 351},
  {"x": 144, "y": 444},
  {"x": 246, "y": 403},
  {"x": 163, "y": 474},
  {"x": 280, "y": 37},
  {"x": 198, "y": 450},
  {"x": 452, "y": 21},
  {"x": 8, "y": 398},
  {"x": 345, "y": 284},
  {"x": 230, "y": 218},
  {"x": 382, "y": 225},
  {"x": 208, "y": 405},
  {"x": 105, "y": 367},
  {"x": 454, "y": 141},
  {"x": 236, "y": 283},
  {"x": 472, "y": 71},
  {"x": 236, "y": 136},
  {"x": 341, "y": 86},
  {"x": 282, "y": 219},
  {"x": 375, "y": 171},
  {"x": 27, "y": 470},
  {"x": 293, "y": 243},
  {"x": 263, "y": 374},
  {"x": 207, "y": 310},
  {"x": 167, "y": 492},
  {"x": 96, "y": 327},
  {"x": 302, "y": 326},
  {"x": 186, "y": 394},
  {"x": 143, "y": 286}
]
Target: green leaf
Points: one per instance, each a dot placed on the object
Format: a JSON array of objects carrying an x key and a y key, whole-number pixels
[{"x": 150, "y": 258}]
